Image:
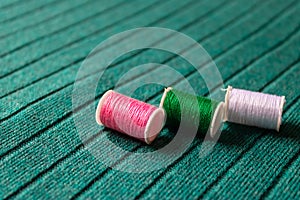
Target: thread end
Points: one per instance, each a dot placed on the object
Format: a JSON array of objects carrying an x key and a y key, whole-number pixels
[{"x": 163, "y": 98}]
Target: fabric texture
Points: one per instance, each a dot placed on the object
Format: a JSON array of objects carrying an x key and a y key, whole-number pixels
[{"x": 254, "y": 44}]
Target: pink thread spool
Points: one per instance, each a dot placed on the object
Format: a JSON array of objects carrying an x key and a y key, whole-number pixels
[{"x": 130, "y": 116}]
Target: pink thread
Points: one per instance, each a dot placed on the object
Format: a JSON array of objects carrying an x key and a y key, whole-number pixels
[{"x": 130, "y": 116}]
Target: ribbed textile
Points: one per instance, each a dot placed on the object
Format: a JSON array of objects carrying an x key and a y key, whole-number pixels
[{"x": 255, "y": 45}]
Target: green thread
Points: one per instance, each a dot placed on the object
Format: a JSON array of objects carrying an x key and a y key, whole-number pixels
[{"x": 192, "y": 110}]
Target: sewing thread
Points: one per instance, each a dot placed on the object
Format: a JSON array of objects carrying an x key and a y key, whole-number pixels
[
  {"x": 130, "y": 116},
  {"x": 253, "y": 108},
  {"x": 203, "y": 113}
]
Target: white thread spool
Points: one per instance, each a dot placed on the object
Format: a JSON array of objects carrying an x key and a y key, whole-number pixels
[{"x": 253, "y": 108}]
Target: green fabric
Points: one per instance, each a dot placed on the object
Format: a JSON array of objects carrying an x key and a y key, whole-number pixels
[{"x": 255, "y": 45}]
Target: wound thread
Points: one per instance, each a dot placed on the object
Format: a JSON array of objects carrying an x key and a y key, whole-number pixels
[
  {"x": 203, "y": 113},
  {"x": 130, "y": 116},
  {"x": 253, "y": 108}
]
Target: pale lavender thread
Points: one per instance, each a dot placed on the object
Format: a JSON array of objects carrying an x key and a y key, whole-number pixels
[{"x": 254, "y": 108}]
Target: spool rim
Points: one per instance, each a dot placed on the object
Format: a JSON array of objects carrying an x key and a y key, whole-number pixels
[
  {"x": 217, "y": 120},
  {"x": 154, "y": 117},
  {"x": 99, "y": 106},
  {"x": 226, "y": 104},
  {"x": 280, "y": 113}
]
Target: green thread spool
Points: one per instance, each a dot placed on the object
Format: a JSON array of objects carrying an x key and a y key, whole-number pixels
[{"x": 203, "y": 113}]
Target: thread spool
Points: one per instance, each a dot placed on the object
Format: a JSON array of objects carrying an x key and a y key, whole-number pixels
[
  {"x": 209, "y": 114},
  {"x": 130, "y": 116},
  {"x": 253, "y": 108}
]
